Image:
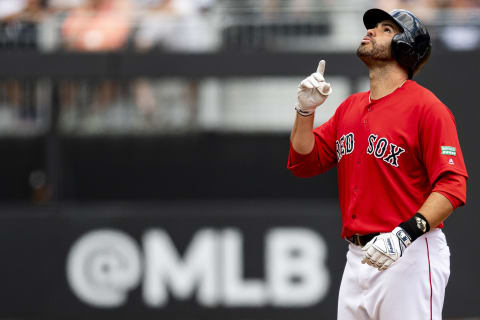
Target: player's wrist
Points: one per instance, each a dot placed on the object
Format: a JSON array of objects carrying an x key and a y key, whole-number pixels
[
  {"x": 403, "y": 236},
  {"x": 306, "y": 112},
  {"x": 414, "y": 227}
]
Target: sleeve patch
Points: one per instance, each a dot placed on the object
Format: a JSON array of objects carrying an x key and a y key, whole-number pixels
[{"x": 451, "y": 151}]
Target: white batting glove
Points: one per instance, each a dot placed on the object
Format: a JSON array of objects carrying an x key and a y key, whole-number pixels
[
  {"x": 386, "y": 248},
  {"x": 312, "y": 91}
]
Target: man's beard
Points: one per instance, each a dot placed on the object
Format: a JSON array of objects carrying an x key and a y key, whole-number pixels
[{"x": 375, "y": 54}]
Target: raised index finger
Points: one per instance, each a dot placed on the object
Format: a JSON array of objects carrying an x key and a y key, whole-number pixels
[{"x": 321, "y": 67}]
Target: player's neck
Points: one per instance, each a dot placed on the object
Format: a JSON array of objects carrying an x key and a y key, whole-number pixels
[{"x": 384, "y": 81}]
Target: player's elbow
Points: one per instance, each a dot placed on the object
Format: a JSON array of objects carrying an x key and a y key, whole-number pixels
[
  {"x": 454, "y": 187},
  {"x": 304, "y": 170},
  {"x": 300, "y": 173}
]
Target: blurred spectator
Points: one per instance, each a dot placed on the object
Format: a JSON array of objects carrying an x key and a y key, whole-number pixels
[
  {"x": 24, "y": 106},
  {"x": 172, "y": 25},
  {"x": 98, "y": 25},
  {"x": 18, "y": 23},
  {"x": 453, "y": 23},
  {"x": 421, "y": 8},
  {"x": 461, "y": 28},
  {"x": 177, "y": 25},
  {"x": 60, "y": 5},
  {"x": 19, "y": 104}
]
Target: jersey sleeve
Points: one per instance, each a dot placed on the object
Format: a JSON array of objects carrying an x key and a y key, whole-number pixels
[
  {"x": 454, "y": 187},
  {"x": 323, "y": 155},
  {"x": 439, "y": 144}
]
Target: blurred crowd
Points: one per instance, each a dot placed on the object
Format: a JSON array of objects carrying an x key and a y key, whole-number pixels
[
  {"x": 165, "y": 105},
  {"x": 105, "y": 25},
  {"x": 204, "y": 25}
]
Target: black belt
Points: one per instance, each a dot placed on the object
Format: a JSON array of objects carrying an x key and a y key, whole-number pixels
[{"x": 362, "y": 240}]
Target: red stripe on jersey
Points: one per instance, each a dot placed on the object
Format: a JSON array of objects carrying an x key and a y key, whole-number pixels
[{"x": 429, "y": 278}]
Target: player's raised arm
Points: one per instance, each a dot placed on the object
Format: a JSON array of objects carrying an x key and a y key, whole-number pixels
[{"x": 311, "y": 93}]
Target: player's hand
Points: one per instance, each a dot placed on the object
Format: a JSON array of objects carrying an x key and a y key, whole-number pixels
[
  {"x": 312, "y": 91},
  {"x": 386, "y": 248}
]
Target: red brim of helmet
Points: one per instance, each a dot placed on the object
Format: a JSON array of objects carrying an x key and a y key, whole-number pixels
[{"x": 373, "y": 16}]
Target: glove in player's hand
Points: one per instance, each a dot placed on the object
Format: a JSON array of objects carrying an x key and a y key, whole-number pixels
[
  {"x": 386, "y": 248},
  {"x": 312, "y": 91}
]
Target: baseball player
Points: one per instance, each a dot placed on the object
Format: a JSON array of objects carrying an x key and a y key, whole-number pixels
[{"x": 400, "y": 173}]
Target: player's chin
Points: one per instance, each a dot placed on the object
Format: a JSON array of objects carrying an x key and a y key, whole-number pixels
[{"x": 363, "y": 51}]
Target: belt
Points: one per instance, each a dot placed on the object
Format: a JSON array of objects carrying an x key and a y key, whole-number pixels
[{"x": 361, "y": 240}]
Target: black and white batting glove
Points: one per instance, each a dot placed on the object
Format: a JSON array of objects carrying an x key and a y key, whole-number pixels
[
  {"x": 312, "y": 91},
  {"x": 388, "y": 247}
]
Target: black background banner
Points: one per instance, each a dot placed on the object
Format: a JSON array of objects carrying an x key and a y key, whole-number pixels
[
  {"x": 36, "y": 245},
  {"x": 35, "y": 273}
]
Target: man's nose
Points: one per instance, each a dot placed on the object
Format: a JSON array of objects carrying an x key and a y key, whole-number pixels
[{"x": 371, "y": 32}]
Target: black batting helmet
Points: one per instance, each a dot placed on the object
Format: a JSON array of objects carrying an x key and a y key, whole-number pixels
[{"x": 412, "y": 47}]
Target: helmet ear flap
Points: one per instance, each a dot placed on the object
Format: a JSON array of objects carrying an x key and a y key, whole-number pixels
[{"x": 404, "y": 53}]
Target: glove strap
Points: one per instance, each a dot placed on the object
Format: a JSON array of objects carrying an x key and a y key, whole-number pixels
[
  {"x": 403, "y": 236},
  {"x": 415, "y": 226},
  {"x": 303, "y": 112}
]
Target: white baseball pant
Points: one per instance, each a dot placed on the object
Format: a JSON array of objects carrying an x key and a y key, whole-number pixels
[{"x": 412, "y": 288}]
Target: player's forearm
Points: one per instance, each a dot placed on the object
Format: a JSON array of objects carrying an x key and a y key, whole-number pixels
[
  {"x": 436, "y": 209},
  {"x": 302, "y": 134}
]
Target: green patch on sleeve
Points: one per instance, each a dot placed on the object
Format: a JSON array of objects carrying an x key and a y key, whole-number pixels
[{"x": 451, "y": 151}]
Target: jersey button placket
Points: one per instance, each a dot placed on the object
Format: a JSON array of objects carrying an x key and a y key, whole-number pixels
[{"x": 369, "y": 109}]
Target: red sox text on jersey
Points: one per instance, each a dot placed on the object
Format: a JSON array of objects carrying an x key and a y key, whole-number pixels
[{"x": 377, "y": 147}]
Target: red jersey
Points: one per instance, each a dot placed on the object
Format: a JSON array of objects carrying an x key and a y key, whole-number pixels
[{"x": 389, "y": 154}]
